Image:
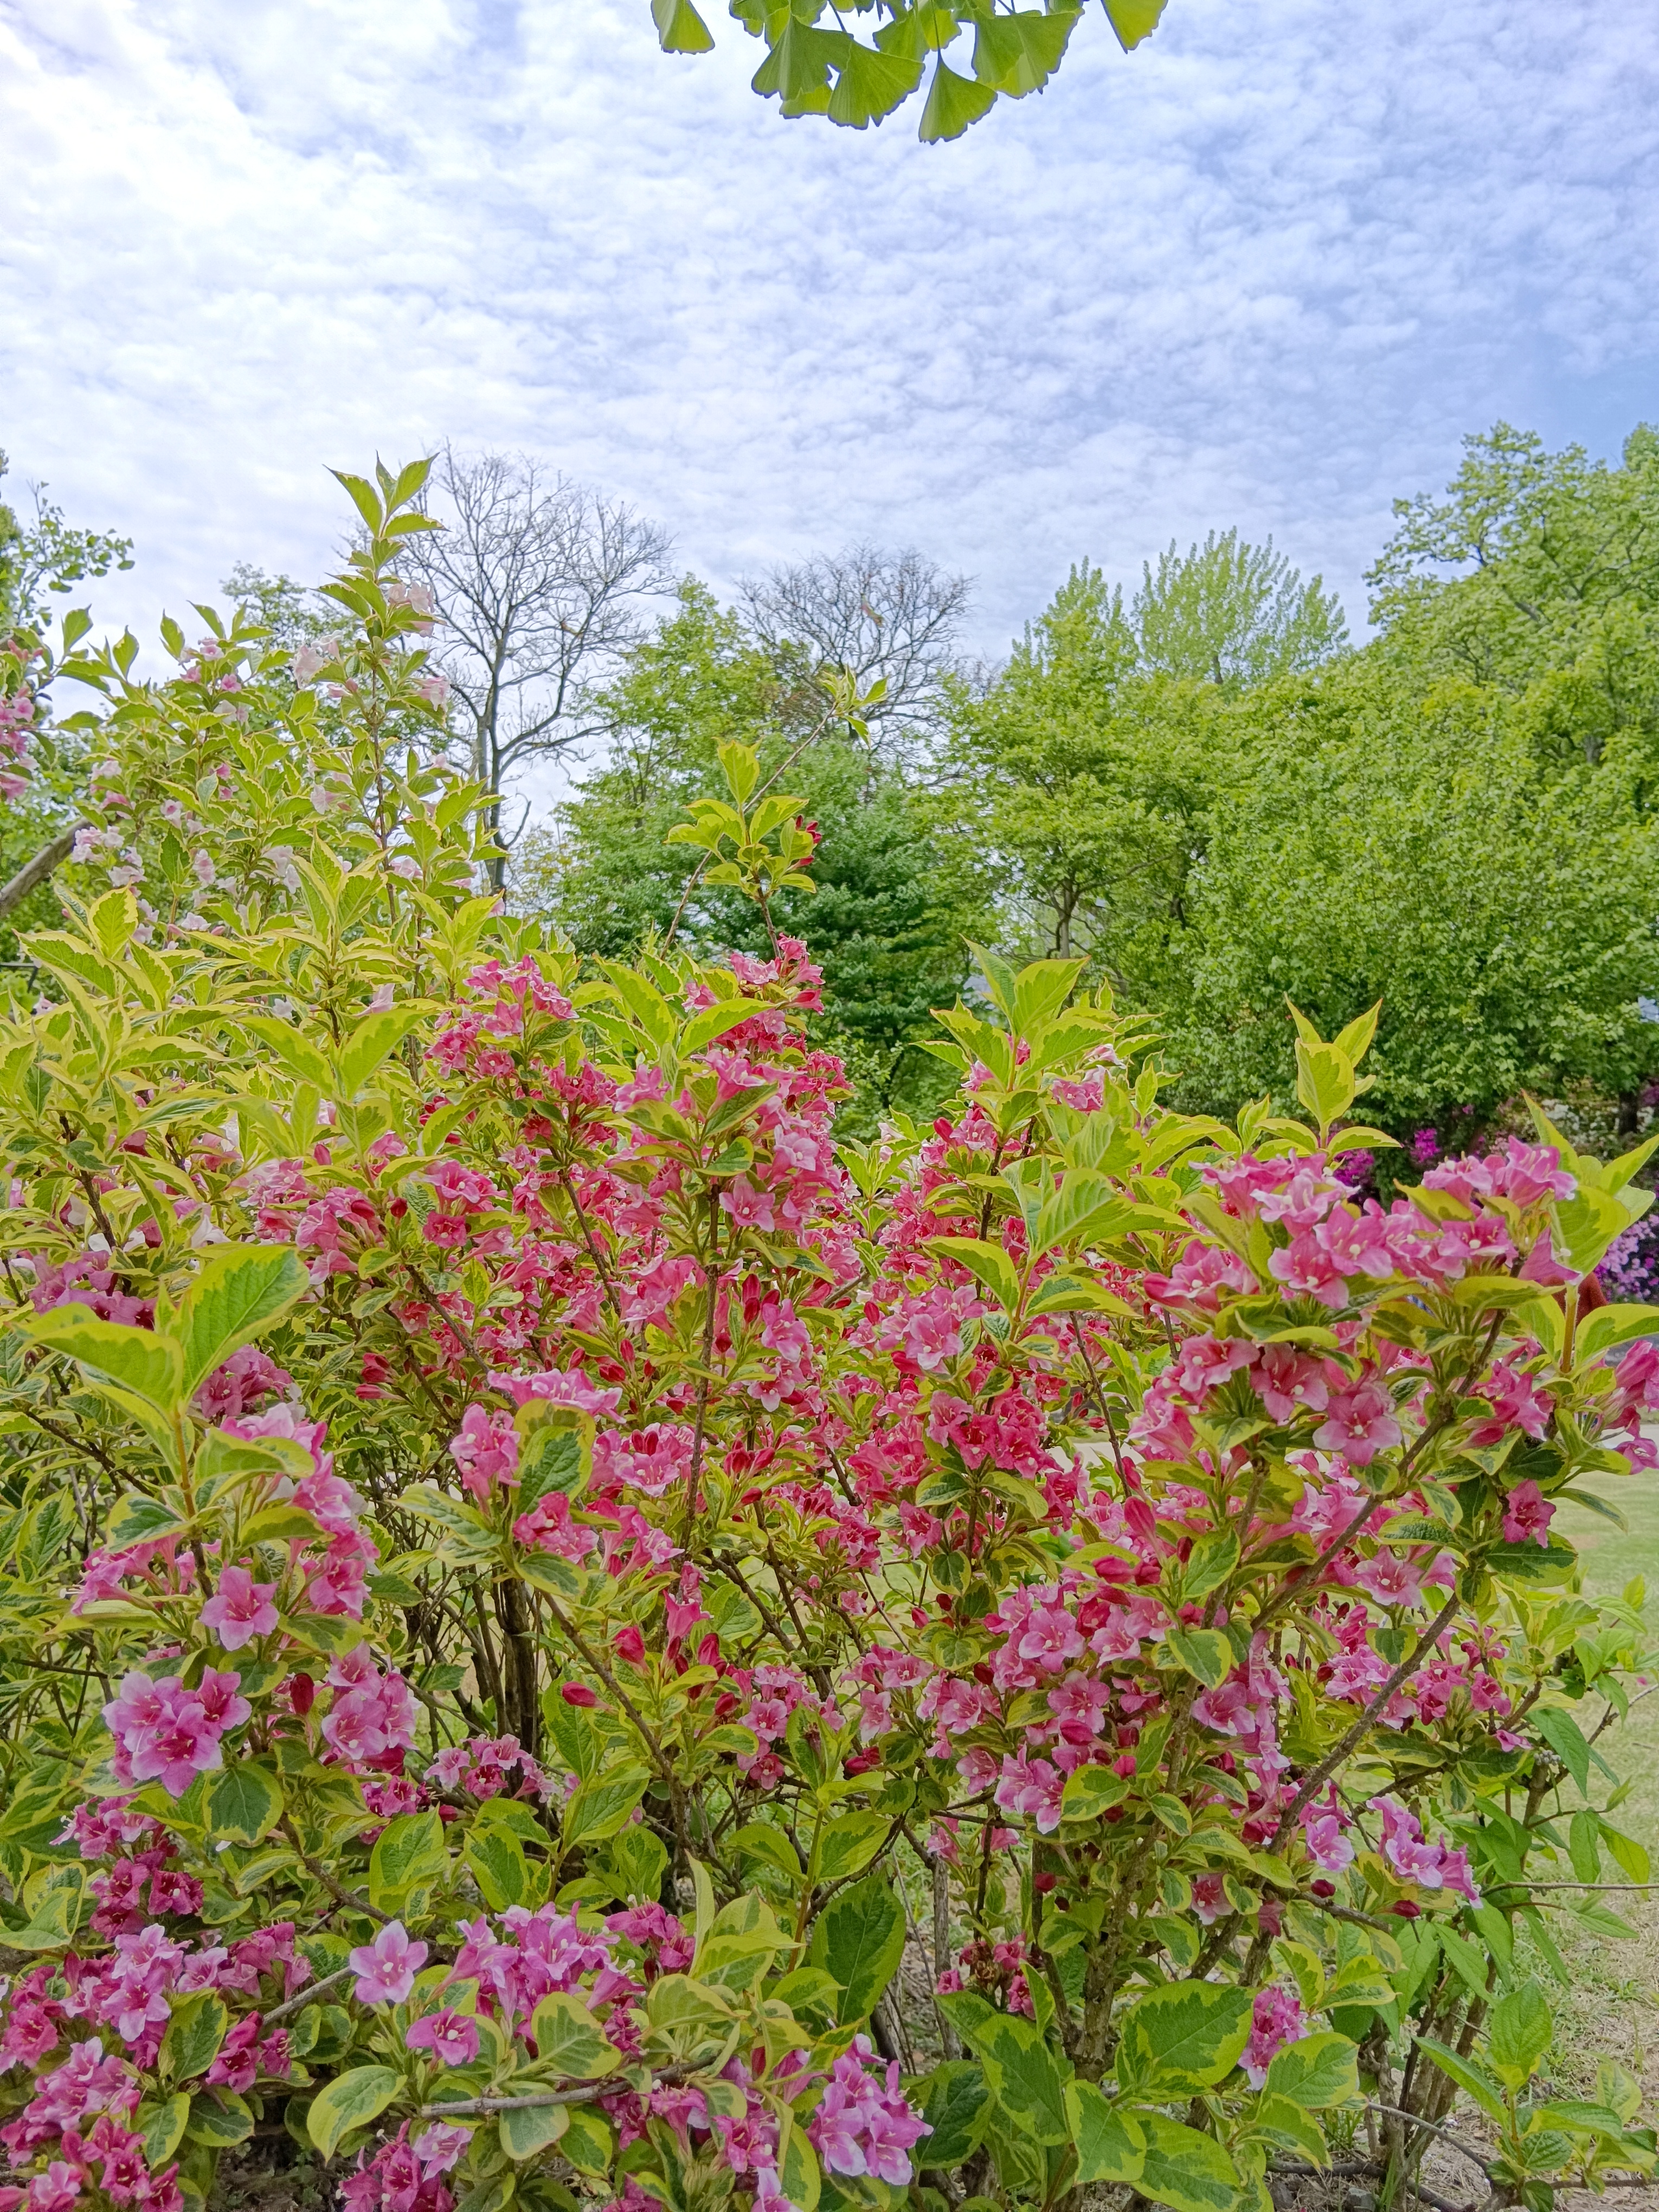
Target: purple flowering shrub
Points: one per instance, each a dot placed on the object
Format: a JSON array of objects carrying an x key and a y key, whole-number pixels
[{"x": 534, "y": 1575}]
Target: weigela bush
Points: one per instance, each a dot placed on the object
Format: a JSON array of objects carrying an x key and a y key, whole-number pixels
[{"x": 569, "y": 1640}]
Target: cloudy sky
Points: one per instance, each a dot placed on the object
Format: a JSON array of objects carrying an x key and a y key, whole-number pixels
[{"x": 1267, "y": 271}]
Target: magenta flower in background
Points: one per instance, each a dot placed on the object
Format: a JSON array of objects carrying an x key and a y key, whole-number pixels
[
  {"x": 385, "y": 1969},
  {"x": 240, "y": 1609}
]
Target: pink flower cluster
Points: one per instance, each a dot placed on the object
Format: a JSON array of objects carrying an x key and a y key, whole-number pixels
[
  {"x": 404, "y": 2176},
  {"x": 484, "y": 1767},
  {"x": 540, "y": 1951},
  {"x": 1275, "y": 2019},
  {"x": 862, "y": 2123},
  {"x": 1430, "y": 1865},
  {"x": 168, "y": 1733},
  {"x": 371, "y": 1722}
]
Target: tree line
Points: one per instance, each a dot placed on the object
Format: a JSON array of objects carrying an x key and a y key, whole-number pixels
[{"x": 1203, "y": 786}]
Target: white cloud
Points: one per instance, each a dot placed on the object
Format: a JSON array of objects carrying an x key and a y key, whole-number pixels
[{"x": 1266, "y": 271}]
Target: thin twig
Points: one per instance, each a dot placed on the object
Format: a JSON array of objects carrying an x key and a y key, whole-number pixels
[
  {"x": 311, "y": 1991},
  {"x": 1434, "y": 2128}
]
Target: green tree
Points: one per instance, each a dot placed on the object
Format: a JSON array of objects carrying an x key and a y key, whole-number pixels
[
  {"x": 883, "y": 922},
  {"x": 1233, "y": 614},
  {"x": 1553, "y": 594},
  {"x": 1402, "y": 847},
  {"x": 47, "y": 557},
  {"x": 1076, "y": 788},
  {"x": 41, "y": 559}
]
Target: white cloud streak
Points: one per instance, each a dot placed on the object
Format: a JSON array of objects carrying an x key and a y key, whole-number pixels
[{"x": 1265, "y": 271}]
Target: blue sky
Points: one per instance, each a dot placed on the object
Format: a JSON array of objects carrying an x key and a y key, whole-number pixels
[{"x": 1266, "y": 271}]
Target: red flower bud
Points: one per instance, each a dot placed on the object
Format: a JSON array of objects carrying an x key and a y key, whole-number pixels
[{"x": 577, "y": 1694}]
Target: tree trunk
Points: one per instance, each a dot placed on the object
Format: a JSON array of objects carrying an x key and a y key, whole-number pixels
[
  {"x": 520, "y": 1688},
  {"x": 36, "y": 870}
]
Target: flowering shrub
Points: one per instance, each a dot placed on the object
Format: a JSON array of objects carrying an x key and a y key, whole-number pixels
[{"x": 533, "y": 1574}]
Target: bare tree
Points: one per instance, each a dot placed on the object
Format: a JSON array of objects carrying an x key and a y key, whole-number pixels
[
  {"x": 537, "y": 583},
  {"x": 892, "y": 615}
]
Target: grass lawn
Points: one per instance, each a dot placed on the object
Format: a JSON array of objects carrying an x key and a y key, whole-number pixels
[{"x": 1614, "y": 2004}]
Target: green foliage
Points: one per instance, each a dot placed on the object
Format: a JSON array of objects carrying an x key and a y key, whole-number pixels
[{"x": 857, "y": 80}]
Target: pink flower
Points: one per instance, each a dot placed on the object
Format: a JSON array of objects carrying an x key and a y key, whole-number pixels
[
  {"x": 1390, "y": 1579},
  {"x": 486, "y": 1451},
  {"x": 440, "y": 2147},
  {"x": 1275, "y": 2021},
  {"x": 385, "y": 1969},
  {"x": 1360, "y": 1424},
  {"x": 1526, "y": 1516},
  {"x": 240, "y": 1609},
  {"x": 55, "y": 2190},
  {"x": 1203, "y": 1362},
  {"x": 451, "y": 2037},
  {"x": 1328, "y": 1846},
  {"x": 749, "y": 1207}
]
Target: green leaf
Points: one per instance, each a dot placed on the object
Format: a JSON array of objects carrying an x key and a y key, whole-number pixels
[
  {"x": 798, "y": 2173},
  {"x": 193, "y": 2036},
  {"x": 870, "y": 86},
  {"x": 375, "y": 1038},
  {"x": 219, "y": 2117},
  {"x": 51, "y": 1923},
  {"x": 142, "y": 1360},
  {"x": 162, "y": 2127},
  {"x": 987, "y": 1263},
  {"x": 408, "y": 1854},
  {"x": 848, "y": 1845},
  {"x": 1019, "y": 2066},
  {"x": 296, "y": 1054},
  {"x": 1315, "y": 2073},
  {"x": 1324, "y": 1081},
  {"x": 1583, "y": 1845},
  {"x": 1519, "y": 2034},
  {"x": 1631, "y": 1856},
  {"x": 1111, "y": 2145},
  {"x": 601, "y": 1804},
  {"x": 1532, "y": 1563},
  {"x": 1184, "y": 2037},
  {"x": 244, "y": 1804},
  {"x": 1284, "y": 2122},
  {"x": 759, "y": 1839},
  {"x": 587, "y": 2143},
  {"x": 1017, "y": 54},
  {"x": 136, "y": 1519},
  {"x": 499, "y": 1868},
  {"x": 1589, "y": 1222},
  {"x": 1204, "y": 1652},
  {"x": 858, "y": 1938},
  {"x": 352, "y": 2100},
  {"x": 1214, "y": 1557},
  {"x": 953, "y": 102},
  {"x": 1186, "y": 2169},
  {"x": 1469, "y": 2074},
  {"x": 1091, "y": 1791},
  {"x": 1567, "y": 1739},
  {"x": 1133, "y": 20},
  {"x": 955, "y": 2100},
  {"x": 239, "y": 1291},
  {"x": 570, "y": 2041},
  {"x": 538, "y": 2127}
]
